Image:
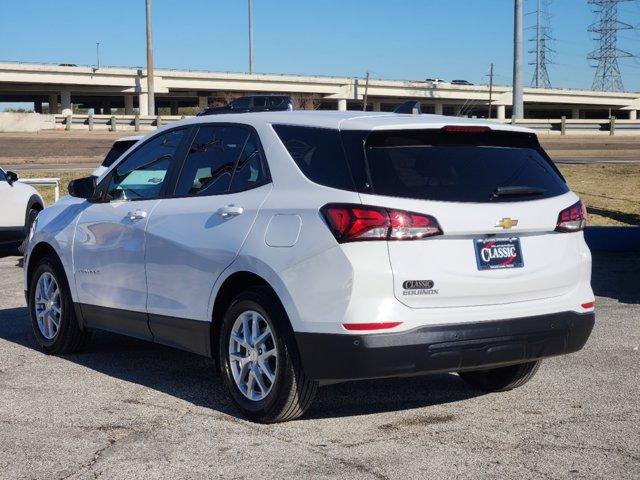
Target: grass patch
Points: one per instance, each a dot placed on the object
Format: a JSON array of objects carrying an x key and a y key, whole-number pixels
[
  {"x": 64, "y": 176},
  {"x": 611, "y": 191}
]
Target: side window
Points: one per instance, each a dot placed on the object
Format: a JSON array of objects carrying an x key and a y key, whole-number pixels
[
  {"x": 242, "y": 102},
  {"x": 210, "y": 162},
  {"x": 259, "y": 101},
  {"x": 141, "y": 174},
  {"x": 3, "y": 178},
  {"x": 318, "y": 153},
  {"x": 249, "y": 172}
]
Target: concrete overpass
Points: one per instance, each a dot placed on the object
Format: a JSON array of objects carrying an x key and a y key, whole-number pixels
[{"x": 106, "y": 88}]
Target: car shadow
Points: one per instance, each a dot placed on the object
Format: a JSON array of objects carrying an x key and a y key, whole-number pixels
[
  {"x": 192, "y": 377},
  {"x": 617, "y": 276}
]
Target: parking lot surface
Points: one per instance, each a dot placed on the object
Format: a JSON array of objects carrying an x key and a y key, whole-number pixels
[{"x": 129, "y": 409}]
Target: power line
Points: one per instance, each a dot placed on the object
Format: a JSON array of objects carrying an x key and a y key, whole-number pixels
[
  {"x": 607, "y": 77},
  {"x": 542, "y": 50}
]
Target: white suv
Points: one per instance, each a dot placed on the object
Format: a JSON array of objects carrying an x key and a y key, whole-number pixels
[
  {"x": 302, "y": 248},
  {"x": 19, "y": 206}
]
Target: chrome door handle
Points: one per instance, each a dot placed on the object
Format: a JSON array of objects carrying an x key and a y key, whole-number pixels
[
  {"x": 137, "y": 215},
  {"x": 230, "y": 211}
]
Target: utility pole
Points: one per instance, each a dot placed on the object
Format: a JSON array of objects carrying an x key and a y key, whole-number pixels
[
  {"x": 150, "y": 84},
  {"x": 97, "y": 55},
  {"x": 518, "y": 106},
  {"x": 250, "y": 36},
  {"x": 490, "y": 90},
  {"x": 366, "y": 93}
]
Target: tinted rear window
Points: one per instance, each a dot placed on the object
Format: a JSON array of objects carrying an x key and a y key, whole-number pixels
[
  {"x": 459, "y": 168},
  {"x": 116, "y": 151},
  {"x": 318, "y": 153}
]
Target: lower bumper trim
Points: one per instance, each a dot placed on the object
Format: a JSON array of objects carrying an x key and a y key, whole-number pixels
[{"x": 443, "y": 348}]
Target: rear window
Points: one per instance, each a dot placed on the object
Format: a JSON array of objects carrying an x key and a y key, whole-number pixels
[
  {"x": 460, "y": 167},
  {"x": 318, "y": 153},
  {"x": 116, "y": 151}
]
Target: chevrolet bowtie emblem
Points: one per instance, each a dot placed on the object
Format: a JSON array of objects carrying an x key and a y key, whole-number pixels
[{"x": 507, "y": 223}]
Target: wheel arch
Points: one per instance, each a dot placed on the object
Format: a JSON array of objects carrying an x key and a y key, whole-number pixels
[
  {"x": 231, "y": 286},
  {"x": 39, "y": 251}
]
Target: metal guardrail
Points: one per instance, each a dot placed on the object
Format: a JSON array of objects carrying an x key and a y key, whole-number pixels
[
  {"x": 48, "y": 182},
  {"x": 112, "y": 122},
  {"x": 137, "y": 122}
]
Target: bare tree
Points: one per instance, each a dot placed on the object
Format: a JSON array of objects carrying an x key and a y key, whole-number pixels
[{"x": 303, "y": 101}]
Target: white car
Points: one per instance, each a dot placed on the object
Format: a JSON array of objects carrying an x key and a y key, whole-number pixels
[
  {"x": 120, "y": 146},
  {"x": 19, "y": 206},
  {"x": 304, "y": 248}
]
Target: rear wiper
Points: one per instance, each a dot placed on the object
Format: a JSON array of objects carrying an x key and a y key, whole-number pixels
[{"x": 516, "y": 191}]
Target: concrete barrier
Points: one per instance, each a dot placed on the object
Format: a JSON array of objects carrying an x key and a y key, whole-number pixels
[
  {"x": 613, "y": 239},
  {"x": 24, "y": 122}
]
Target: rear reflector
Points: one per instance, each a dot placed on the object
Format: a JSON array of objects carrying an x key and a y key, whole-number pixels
[
  {"x": 588, "y": 305},
  {"x": 370, "y": 326},
  {"x": 464, "y": 129},
  {"x": 352, "y": 223},
  {"x": 573, "y": 218}
]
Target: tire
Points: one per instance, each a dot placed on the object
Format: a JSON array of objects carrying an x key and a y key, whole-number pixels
[
  {"x": 66, "y": 337},
  {"x": 501, "y": 379},
  {"x": 290, "y": 393},
  {"x": 32, "y": 214}
]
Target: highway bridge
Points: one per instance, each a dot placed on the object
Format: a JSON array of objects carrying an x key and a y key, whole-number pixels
[{"x": 56, "y": 88}]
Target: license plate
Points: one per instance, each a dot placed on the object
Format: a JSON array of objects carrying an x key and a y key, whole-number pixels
[{"x": 497, "y": 253}]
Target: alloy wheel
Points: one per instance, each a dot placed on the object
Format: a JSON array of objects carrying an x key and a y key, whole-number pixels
[
  {"x": 253, "y": 355},
  {"x": 47, "y": 305}
]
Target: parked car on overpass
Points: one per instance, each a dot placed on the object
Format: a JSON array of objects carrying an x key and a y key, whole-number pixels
[
  {"x": 461, "y": 82},
  {"x": 253, "y": 103}
]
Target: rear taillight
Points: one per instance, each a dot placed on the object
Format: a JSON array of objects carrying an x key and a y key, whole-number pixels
[
  {"x": 353, "y": 223},
  {"x": 573, "y": 218}
]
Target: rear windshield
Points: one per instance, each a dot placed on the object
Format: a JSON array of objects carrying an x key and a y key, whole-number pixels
[
  {"x": 116, "y": 151},
  {"x": 489, "y": 166},
  {"x": 460, "y": 167}
]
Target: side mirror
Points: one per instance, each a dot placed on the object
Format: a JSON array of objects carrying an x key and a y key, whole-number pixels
[
  {"x": 11, "y": 177},
  {"x": 83, "y": 188}
]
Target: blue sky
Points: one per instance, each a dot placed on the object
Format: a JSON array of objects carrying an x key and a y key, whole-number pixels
[{"x": 403, "y": 39}]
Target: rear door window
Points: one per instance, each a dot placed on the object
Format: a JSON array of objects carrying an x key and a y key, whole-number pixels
[{"x": 458, "y": 169}]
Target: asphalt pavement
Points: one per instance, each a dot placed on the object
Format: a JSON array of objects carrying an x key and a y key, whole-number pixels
[{"x": 130, "y": 409}]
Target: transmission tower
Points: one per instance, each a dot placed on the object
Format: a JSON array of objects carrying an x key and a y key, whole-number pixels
[
  {"x": 605, "y": 30},
  {"x": 542, "y": 50}
]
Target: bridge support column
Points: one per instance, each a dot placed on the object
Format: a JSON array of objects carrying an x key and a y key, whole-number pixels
[
  {"x": 342, "y": 104},
  {"x": 143, "y": 103},
  {"x": 37, "y": 106},
  {"x": 575, "y": 113},
  {"x": 377, "y": 106},
  {"x": 633, "y": 114},
  {"x": 65, "y": 101},
  {"x": 439, "y": 107},
  {"x": 53, "y": 103},
  {"x": 203, "y": 101},
  {"x": 128, "y": 104},
  {"x": 174, "y": 107},
  {"x": 501, "y": 112}
]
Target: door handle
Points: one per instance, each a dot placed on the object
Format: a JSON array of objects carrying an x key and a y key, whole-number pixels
[
  {"x": 230, "y": 211},
  {"x": 137, "y": 215}
]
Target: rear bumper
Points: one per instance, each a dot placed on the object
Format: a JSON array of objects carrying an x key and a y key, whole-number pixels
[{"x": 443, "y": 348}]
